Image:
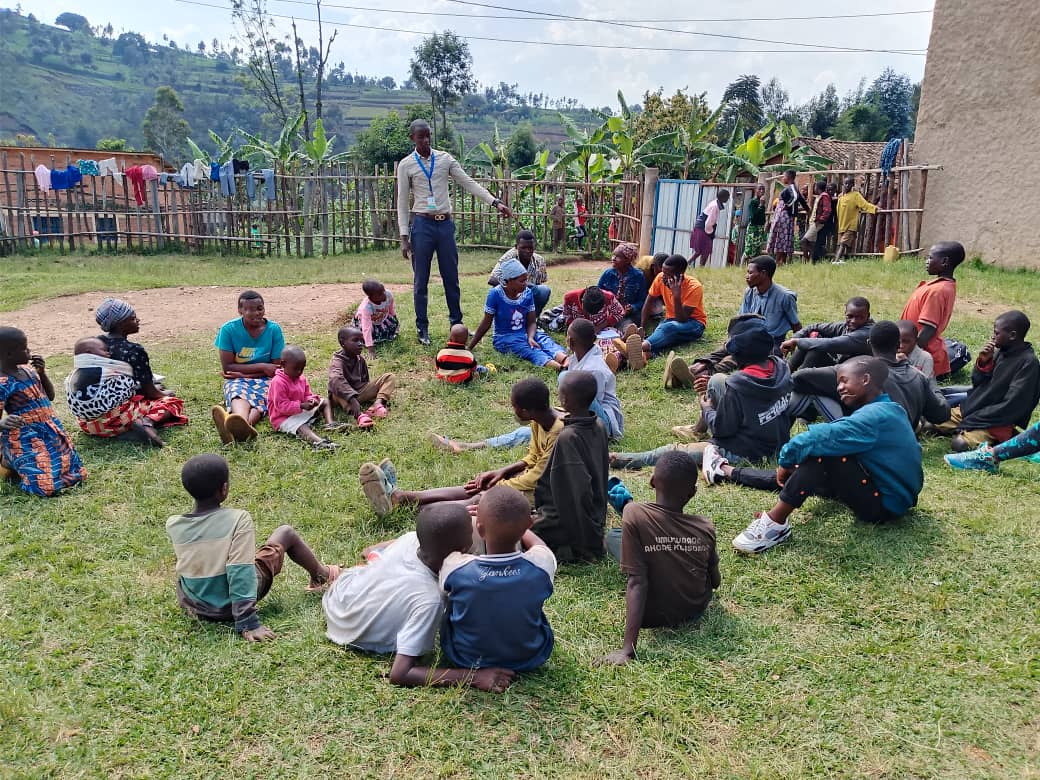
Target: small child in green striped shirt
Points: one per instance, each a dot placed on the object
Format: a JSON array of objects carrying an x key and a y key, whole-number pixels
[{"x": 220, "y": 574}]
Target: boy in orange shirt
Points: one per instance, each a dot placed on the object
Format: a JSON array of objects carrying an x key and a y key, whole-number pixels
[
  {"x": 684, "y": 316},
  {"x": 931, "y": 305}
]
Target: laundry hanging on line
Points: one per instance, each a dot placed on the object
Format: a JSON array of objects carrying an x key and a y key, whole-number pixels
[
  {"x": 88, "y": 167},
  {"x": 65, "y": 178}
]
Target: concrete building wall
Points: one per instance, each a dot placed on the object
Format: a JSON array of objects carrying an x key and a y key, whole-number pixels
[{"x": 979, "y": 114}]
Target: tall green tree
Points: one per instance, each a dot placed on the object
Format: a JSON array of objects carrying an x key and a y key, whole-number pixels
[
  {"x": 892, "y": 94},
  {"x": 75, "y": 22},
  {"x": 443, "y": 68},
  {"x": 743, "y": 104},
  {"x": 521, "y": 148},
  {"x": 164, "y": 128},
  {"x": 820, "y": 114}
]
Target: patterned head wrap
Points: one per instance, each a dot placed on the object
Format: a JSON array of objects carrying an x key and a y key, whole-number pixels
[
  {"x": 627, "y": 251},
  {"x": 512, "y": 269},
  {"x": 111, "y": 312}
]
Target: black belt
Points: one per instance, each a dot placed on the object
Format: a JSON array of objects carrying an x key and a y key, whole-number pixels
[{"x": 434, "y": 217}]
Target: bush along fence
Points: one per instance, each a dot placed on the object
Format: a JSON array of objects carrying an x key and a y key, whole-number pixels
[{"x": 282, "y": 212}]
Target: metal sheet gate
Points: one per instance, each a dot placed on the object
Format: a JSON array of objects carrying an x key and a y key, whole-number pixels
[{"x": 677, "y": 203}]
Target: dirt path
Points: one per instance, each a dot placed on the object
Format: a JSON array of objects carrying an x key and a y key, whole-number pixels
[
  {"x": 173, "y": 313},
  {"x": 170, "y": 314}
]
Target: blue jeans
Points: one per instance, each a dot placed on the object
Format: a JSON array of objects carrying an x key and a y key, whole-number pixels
[
  {"x": 516, "y": 344},
  {"x": 429, "y": 236},
  {"x": 522, "y": 435},
  {"x": 672, "y": 333},
  {"x": 541, "y": 294}
]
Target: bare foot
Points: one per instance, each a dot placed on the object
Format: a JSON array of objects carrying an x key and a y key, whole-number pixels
[
  {"x": 141, "y": 434},
  {"x": 444, "y": 443},
  {"x": 332, "y": 571}
]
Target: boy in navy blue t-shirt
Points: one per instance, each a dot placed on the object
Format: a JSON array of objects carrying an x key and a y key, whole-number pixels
[{"x": 494, "y": 616}]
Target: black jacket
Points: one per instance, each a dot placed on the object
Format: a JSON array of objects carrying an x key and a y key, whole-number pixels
[
  {"x": 917, "y": 394},
  {"x": 752, "y": 419},
  {"x": 570, "y": 498},
  {"x": 836, "y": 339},
  {"x": 1006, "y": 394}
]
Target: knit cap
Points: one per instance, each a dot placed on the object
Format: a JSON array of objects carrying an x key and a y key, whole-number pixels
[{"x": 749, "y": 340}]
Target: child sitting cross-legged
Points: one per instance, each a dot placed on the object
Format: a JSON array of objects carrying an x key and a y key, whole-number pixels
[
  {"x": 376, "y": 316},
  {"x": 495, "y": 613},
  {"x": 34, "y": 446},
  {"x": 670, "y": 582},
  {"x": 530, "y": 400},
  {"x": 292, "y": 405},
  {"x": 349, "y": 384},
  {"x": 395, "y": 604},
  {"x": 220, "y": 574},
  {"x": 456, "y": 364},
  {"x": 510, "y": 308}
]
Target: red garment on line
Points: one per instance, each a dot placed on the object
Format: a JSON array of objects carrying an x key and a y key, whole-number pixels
[{"x": 136, "y": 176}]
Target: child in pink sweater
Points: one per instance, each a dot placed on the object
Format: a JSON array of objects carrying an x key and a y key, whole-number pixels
[
  {"x": 291, "y": 404},
  {"x": 376, "y": 316}
]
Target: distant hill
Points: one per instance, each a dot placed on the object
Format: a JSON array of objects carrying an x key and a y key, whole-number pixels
[{"x": 81, "y": 87}]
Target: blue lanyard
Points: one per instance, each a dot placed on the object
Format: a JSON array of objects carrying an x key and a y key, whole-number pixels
[{"x": 429, "y": 173}]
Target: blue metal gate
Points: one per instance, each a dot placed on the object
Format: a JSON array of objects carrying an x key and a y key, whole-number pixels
[{"x": 677, "y": 203}]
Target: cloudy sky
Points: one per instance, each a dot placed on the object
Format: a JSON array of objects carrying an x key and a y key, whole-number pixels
[{"x": 787, "y": 49}]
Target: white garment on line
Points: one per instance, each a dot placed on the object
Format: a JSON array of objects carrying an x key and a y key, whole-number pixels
[
  {"x": 187, "y": 173},
  {"x": 109, "y": 166}
]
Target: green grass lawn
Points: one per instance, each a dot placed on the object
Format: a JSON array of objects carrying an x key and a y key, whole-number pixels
[{"x": 851, "y": 651}]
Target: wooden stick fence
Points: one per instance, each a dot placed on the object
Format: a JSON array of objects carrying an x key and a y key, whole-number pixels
[{"x": 338, "y": 209}]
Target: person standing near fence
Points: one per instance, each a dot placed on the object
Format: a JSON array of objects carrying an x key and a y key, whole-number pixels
[{"x": 424, "y": 219}]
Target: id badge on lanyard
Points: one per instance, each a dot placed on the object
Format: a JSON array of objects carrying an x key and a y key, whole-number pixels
[{"x": 431, "y": 201}]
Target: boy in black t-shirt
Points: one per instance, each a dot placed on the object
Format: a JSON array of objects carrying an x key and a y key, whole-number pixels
[{"x": 669, "y": 557}]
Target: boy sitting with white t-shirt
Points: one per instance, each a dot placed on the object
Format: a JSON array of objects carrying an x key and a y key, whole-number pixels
[{"x": 395, "y": 605}]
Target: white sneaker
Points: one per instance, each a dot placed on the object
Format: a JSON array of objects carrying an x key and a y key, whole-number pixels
[
  {"x": 712, "y": 463},
  {"x": 762, "y": 534}
]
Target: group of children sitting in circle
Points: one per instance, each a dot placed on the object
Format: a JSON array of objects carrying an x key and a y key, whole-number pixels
[{"x": 480, "y": 564}]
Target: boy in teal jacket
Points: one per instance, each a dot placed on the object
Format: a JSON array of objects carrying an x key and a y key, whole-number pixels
[{"x": 869, "y": 461}]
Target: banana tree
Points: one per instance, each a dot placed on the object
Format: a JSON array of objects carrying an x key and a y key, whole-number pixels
[
  {"x": 774, "y": 141},
  {"x": 317, "y": 150},
  {"x": 585, "y": 155},
  {"x": 490, "y": 158},
  {"x": 225, "y": 148},
  {"x": 281, "y": 153}
]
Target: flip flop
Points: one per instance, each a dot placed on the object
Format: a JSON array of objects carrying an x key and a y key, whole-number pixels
[
  {"x": 364, "y": 421},
  {"x": 377, "y": 488},
  {"x": 334, "y": 571},
  {"x": 220, "y": 421},
  {"x": 239, "y": 428},
  {"x": 378, "y": 410}
]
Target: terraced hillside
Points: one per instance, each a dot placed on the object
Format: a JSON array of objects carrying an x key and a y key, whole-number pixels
[{"x": 79, "y": 88}]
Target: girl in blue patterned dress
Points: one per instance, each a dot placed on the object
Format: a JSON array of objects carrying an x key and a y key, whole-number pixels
[
  {"x": 250, "y": 348},
  {"x": 33, "y": 443}
]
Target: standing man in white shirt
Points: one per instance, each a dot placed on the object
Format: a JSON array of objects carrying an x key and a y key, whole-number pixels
[{"x": 424, "y": 219}]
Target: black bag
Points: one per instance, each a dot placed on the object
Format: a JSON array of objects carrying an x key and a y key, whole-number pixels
[{"x": 958, "y": 354}]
